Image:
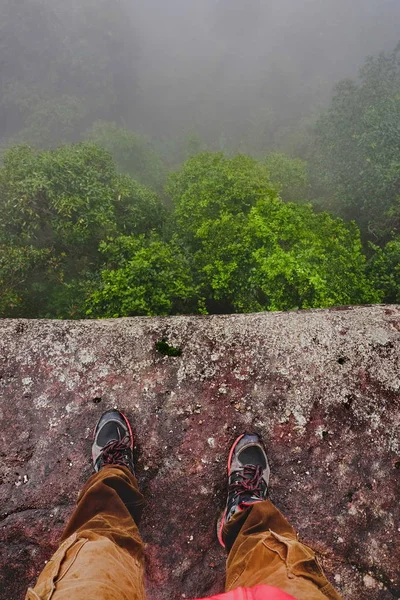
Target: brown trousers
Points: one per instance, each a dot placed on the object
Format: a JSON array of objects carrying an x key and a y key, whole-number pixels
[{"x": 102, "y": 556}]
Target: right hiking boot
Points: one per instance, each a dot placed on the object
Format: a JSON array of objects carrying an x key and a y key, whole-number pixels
[
  {"x": 113, "y": 441},
  {"x": 248, "y": 477}
]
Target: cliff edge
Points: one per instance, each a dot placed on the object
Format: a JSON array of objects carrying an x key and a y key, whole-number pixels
[{"x": 321, "y": 386}]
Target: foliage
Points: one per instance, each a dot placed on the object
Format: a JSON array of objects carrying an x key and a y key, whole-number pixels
[
  {"x": 142, "y": 277},
  {"x": 384, "y": 270},
  {"x": 359, "y": 145},
  {"x": 211, "y": 184},
  {"x": 62, "y": 199},
  {"x": 64, "y": 203},
  {"x": 132, "y": 153},
  {"x": 289, "y": 175},
  {"x": 279, "y": 257},
  {"x": 20, "y": 268},
  {"x": 306, "y": 260},
  {"x": 137, "y": 209},
  {"x": 166, "y": 350},
  {"x": 252, "y": 252},
  {"x": 77, "y": 239},
  {"x": 52, "y": 122}
]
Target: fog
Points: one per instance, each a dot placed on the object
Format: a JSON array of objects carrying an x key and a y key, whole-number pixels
[
  {"x": 224, "y": 66},
  {"x": 247, "y": 73}
]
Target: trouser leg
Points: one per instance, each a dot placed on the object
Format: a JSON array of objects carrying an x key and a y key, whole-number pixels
[
  {"x": 101, "y": 555},
  {"x": 263, "y": 549}
]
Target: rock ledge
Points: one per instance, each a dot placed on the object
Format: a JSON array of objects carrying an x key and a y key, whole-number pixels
[{"x": 321, "y": 386}]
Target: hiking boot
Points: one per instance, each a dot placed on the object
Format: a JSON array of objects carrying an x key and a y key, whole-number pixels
[
  {"x": 113, "y": 441},
  {"x": 248, "y": 477}
]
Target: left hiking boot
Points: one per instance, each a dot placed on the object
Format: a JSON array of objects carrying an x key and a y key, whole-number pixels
[
  {"x": 113, "y": 441},
  {"x": 248, "y": 477}
]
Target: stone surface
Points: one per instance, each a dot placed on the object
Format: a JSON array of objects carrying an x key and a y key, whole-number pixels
[{"x": 322, "y": 387}]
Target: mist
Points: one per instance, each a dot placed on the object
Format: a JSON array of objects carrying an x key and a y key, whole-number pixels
[
  {"x": 235, "y": 68},
  {"x": 240, "y": 74}
]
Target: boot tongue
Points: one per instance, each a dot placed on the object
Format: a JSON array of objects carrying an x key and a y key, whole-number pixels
[{"x": 111, "y": 431}]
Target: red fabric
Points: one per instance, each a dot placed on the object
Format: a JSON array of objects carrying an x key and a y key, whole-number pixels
[{"x": 259, "y": 592}]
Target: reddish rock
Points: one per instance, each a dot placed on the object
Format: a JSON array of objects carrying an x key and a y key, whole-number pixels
[{"x": 322, "y": 387}]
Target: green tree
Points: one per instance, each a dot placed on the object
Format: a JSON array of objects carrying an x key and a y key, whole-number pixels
[
  {"x": 251, "y": 251},
  {"x": 384, "y": 270},
  {"x": 306, "y": 260},
  {"x": 65, "y": 202},
  {"x": 358, "y": 145},
  {"x": 51, "y": 122},
  {"x": 211, "y": 184},
  {"x": 21, "y": 268},
  {"x": 133, "y": 154},
  {"x": 278, "y": 257},
  {"x": 143, "y": 276},
  {"x": 289, "y": 175}
]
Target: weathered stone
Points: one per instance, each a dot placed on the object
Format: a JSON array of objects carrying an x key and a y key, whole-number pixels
[{"x": 322, "y": 387}]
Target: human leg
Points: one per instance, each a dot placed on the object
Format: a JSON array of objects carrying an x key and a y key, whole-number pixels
[
  {"x": 101, "y": 554},
  {"x": 263, "y": 547}
]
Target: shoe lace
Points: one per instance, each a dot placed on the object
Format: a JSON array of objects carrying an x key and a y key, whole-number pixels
[
  {"x": 115, "y": 452},
  {"x": 248, "y": 481}
]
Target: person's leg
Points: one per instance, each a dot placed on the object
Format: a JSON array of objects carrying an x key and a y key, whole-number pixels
[
  {"x": 101, "y": 555},
  {"x": 263, "y": 547}
]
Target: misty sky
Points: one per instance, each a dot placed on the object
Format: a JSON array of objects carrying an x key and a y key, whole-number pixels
[
  {"x": 249, "y": 72},
  {"x": 211, "y": 64}
]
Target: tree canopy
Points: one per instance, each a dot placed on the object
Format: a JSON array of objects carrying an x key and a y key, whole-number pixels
[
  {"x": 251, "y": 251},
  {"x": 83, "y": 240},
  {"x": 56, "y": 208}
]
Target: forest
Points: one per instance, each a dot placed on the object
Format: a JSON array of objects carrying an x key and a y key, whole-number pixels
[{"x": 145, "y": 175}]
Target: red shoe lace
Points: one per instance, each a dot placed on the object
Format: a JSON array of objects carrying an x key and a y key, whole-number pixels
[
  {"x": 248, "y": 481},
  {"x": 114, "y": 453}
]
